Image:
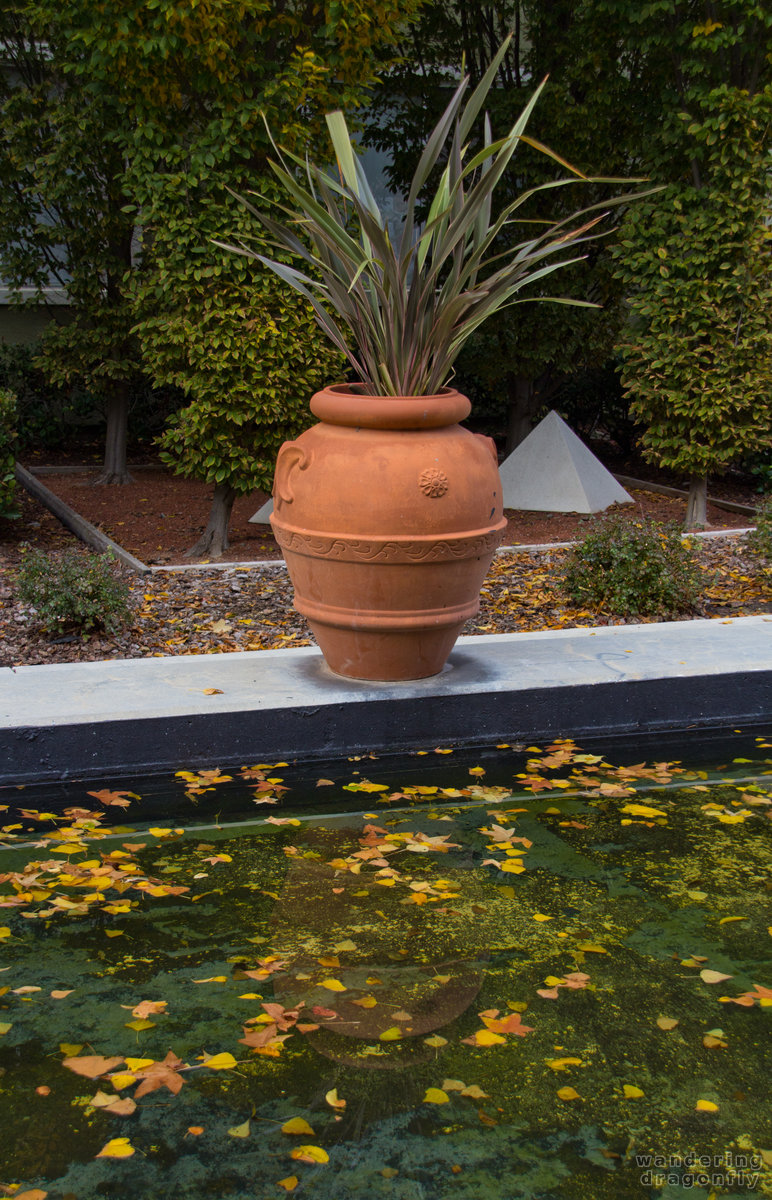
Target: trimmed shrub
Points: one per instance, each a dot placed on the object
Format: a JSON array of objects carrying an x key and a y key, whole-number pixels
[
  {"x": 74, "y": 592},
  {"x": 7, "y": 454},
  {"x": 632, "y": 568},
  {"x": 759, "y": 542}
]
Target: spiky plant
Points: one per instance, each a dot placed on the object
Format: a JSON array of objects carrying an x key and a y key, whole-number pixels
[{"x": 403, "y": 307}]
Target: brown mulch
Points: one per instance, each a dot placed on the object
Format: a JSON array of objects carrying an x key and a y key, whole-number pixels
[
  {"x": 159, "y": 516},
  {"x": 211, "y": 610}
]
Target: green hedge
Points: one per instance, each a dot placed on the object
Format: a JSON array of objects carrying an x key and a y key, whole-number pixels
[{"x": 8, "y": 417}]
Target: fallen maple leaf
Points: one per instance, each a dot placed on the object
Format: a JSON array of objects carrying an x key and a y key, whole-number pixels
[
  {"x": 92, "y": 1065},
  {"x": 161, "y": 1074}
]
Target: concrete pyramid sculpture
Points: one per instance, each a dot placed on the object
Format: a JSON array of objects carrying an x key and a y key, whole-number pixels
[
  {"x": 263, "y": 515},
  {"x": 553, "y": 471}
]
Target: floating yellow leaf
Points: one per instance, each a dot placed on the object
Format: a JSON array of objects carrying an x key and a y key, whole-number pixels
[
  {"x": 310, "y": 1154},
  {"x": 366, "y": 1002},
  {"x": 435, "y": 1096},
  {"x": 541, "y": 917},
  {"x": 591, "y": 948},
  {"x": 708, "y": 976},
  {"x": 5, "y": 931},
  {"x": 140, "y": 1024},
  {"x": 117, "y": 1148},
  {"x": 122, "y": 1079},
  {"x": 473, "y": 1092},
  {"x": 561, "y": 1064},
  {"x": 290, "y": 1183},
  {"x": 297, "y": 1125},
  {"x": 220, "y": 1062},
  {"x": 139, "y": 1064},
  {"x": 333, "y": 985},
  {"x": 726, "y": 920},
  {"x": 568, "y": 1093},
  {"x": 334, "y": 1100},
  {"x": 706, "y": 1106},
  {"x": 391, "y": 1035},
  {"x": 240, "y": 1131},
  {"x": 346, "y": 944},
  {"x": 632, "y": 1092},
  {"x": 485, "y": 1037},
  {"x": 667, "y": 1022},
  {"x": 5, "y": 1026},
  {"x": 642, "y": 810}
]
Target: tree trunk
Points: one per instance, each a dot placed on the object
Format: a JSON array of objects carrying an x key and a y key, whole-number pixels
[
  {"x": 522, "y": 404},
  {"x": 697, "y": 504},
  {"x": 214, "y": 540},
  {"x": 114, "y": 470}
]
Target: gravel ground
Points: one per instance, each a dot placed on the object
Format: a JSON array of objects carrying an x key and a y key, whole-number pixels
[{"x": 208, "y": 611}]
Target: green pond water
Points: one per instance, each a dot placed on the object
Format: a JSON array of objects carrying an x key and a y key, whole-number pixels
[{"x": 513, "y": 972}]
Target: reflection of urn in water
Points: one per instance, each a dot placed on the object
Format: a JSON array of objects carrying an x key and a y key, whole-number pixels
[{"x": 362, "y": 974}]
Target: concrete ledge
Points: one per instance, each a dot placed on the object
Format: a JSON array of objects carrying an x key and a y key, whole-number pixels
[{"x": 97, "y": 719}]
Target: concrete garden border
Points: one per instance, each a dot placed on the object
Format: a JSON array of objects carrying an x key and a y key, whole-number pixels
[{"x": 97, "y": 719}]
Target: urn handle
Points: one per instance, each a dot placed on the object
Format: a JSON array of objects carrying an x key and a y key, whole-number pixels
[{"x": 292, "y": 458}]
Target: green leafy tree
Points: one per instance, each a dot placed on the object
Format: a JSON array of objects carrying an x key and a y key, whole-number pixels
[
  {"x": 197, "y": 80},
  {"x": 63, "y": 221},
  {"x": 697, "y": 259}
]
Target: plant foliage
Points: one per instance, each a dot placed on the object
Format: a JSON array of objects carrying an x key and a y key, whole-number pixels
[
  {"x": 74, "y": 591},
  {"x": 697, "y": 259},
  {"x": 405, "y": 304},
  {"x": 8, "y": 417},
  {"x": 632, "y": 568},
  {"x": 759, "y": 540},
  {"x": 64, "y": 224}
]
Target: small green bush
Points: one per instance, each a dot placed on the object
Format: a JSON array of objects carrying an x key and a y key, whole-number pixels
[
  {"x": 7, "y": 454},
  {"x": 760, "y": 540},
  {"x": 632, "y": 568},
  {"x": 74, "y": 591}
]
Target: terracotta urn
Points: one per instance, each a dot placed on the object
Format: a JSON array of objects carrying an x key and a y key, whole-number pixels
[{"x": 388, "y": 513}]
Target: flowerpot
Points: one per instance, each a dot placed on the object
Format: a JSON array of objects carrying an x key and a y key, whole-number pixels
[{"x": 388, "y": 514}]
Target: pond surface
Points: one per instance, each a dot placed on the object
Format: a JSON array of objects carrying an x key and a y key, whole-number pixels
[{"x": 517, "y": 972}]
